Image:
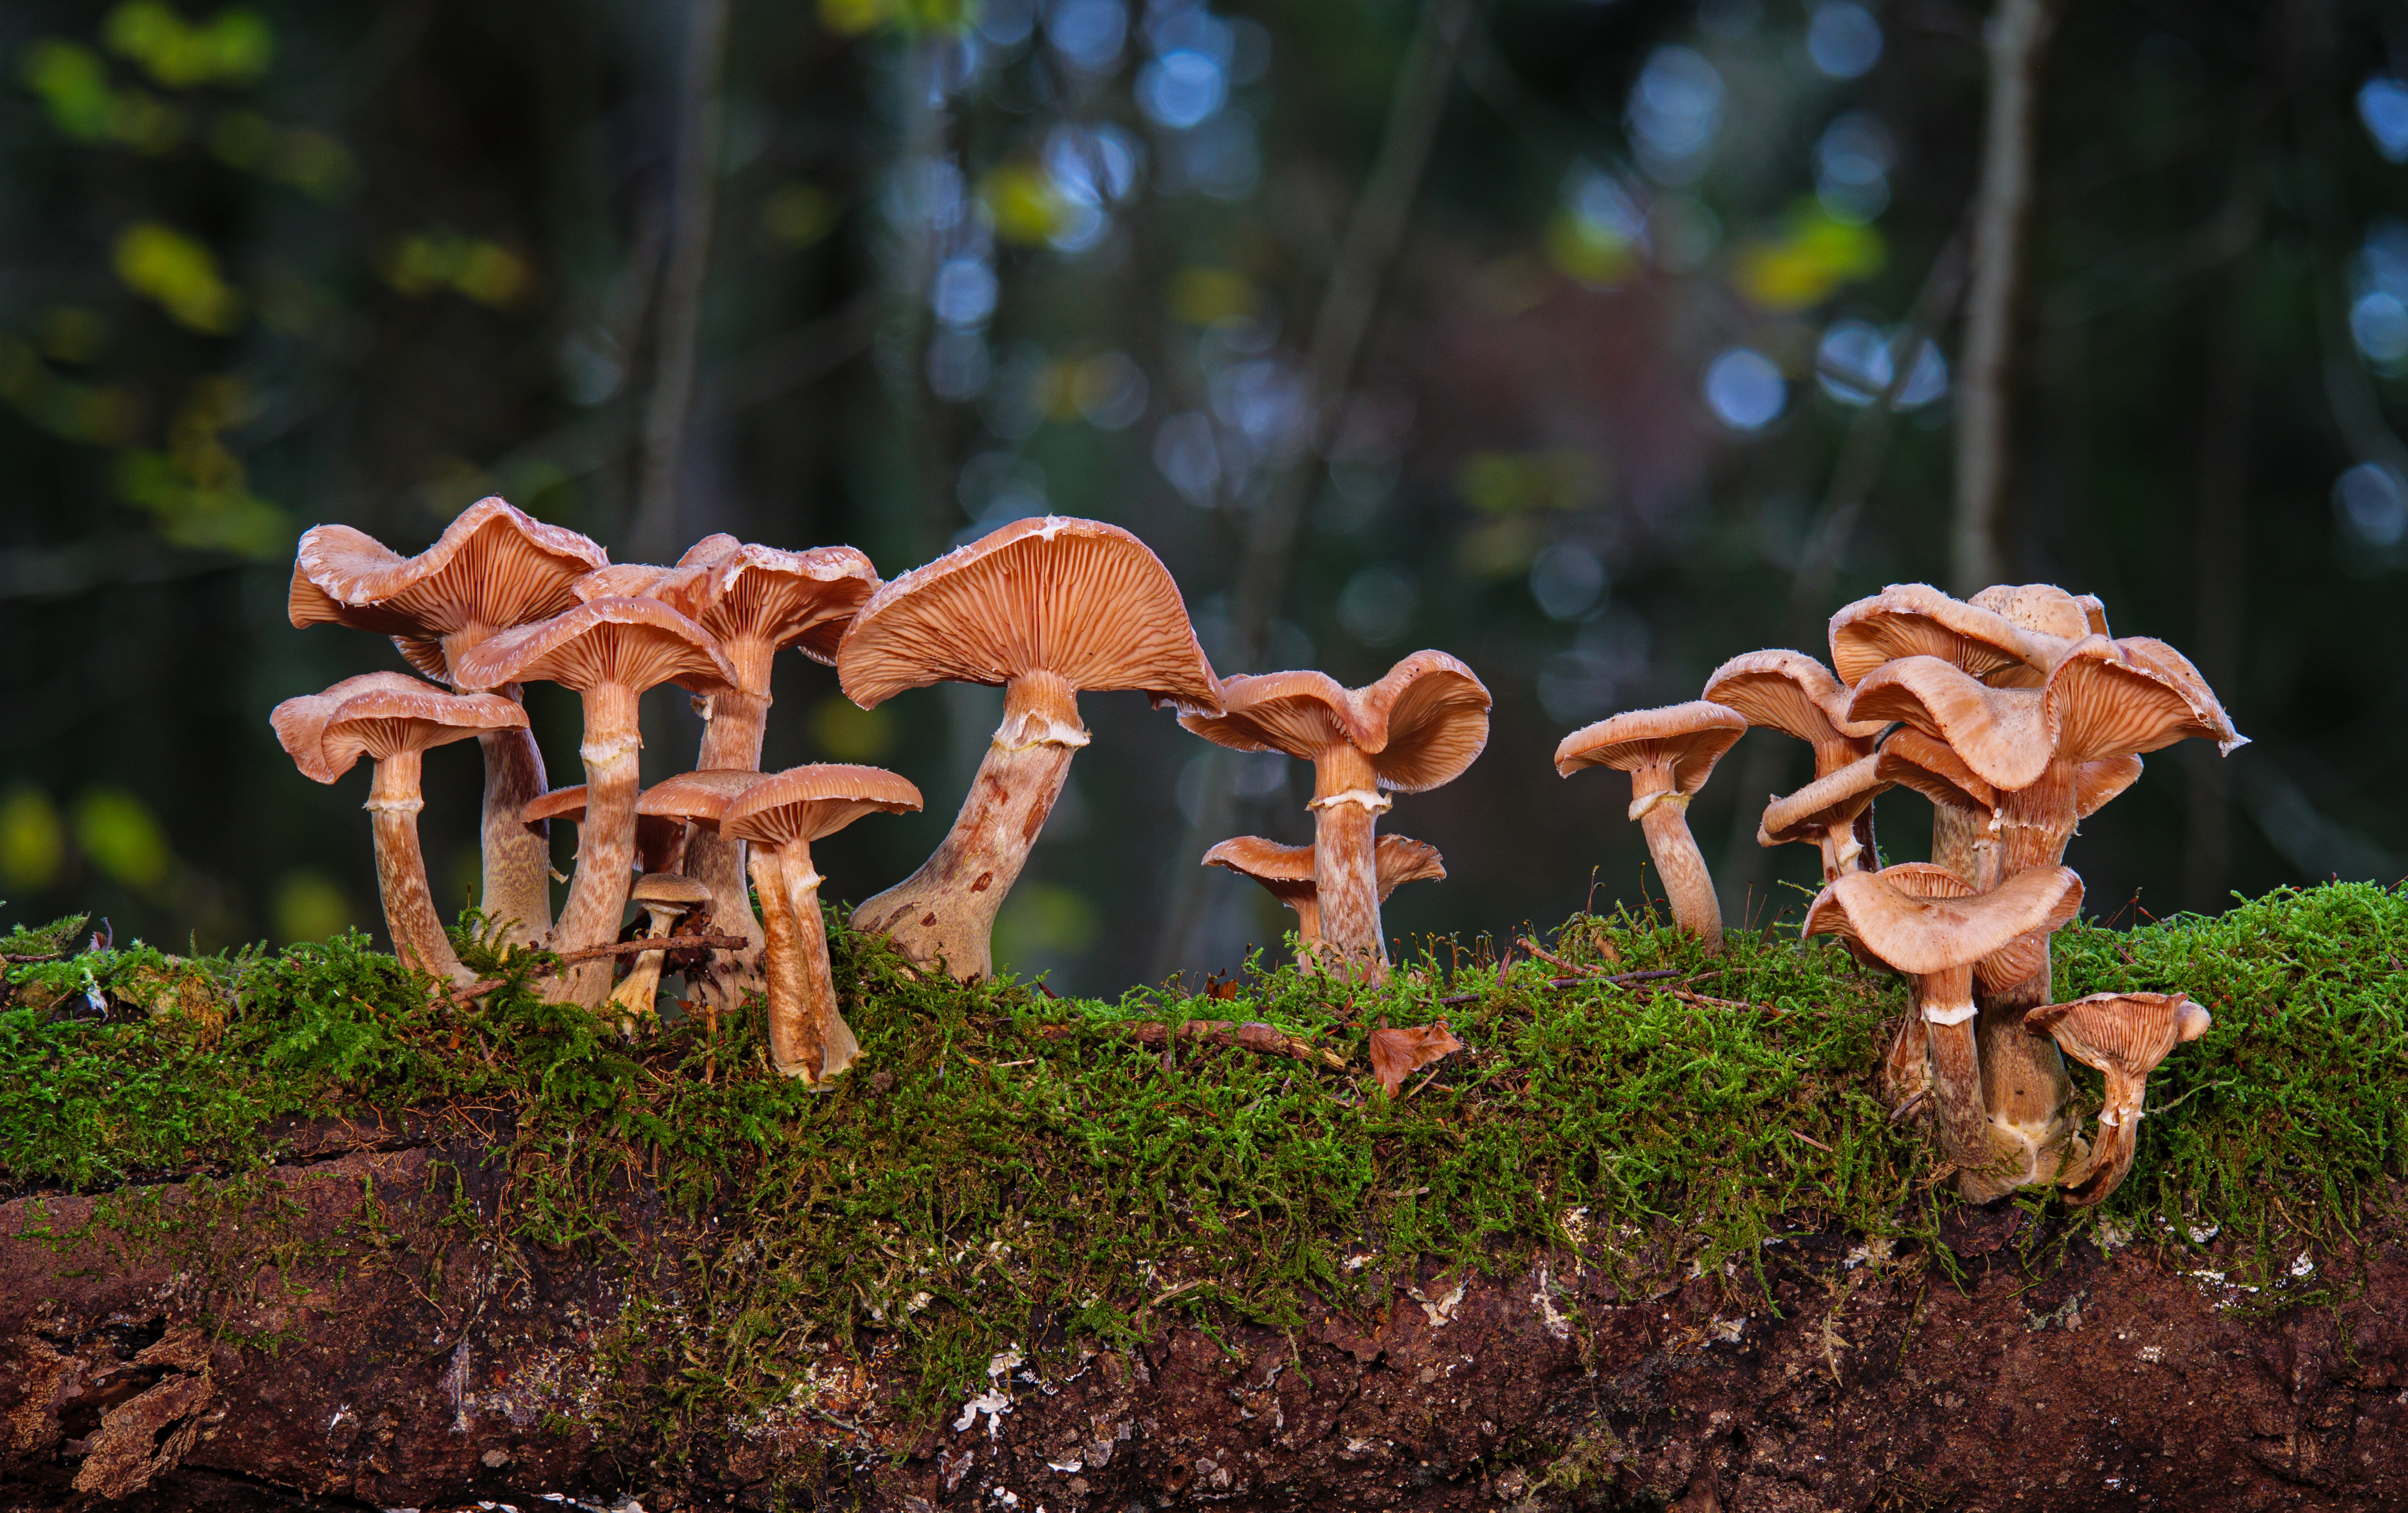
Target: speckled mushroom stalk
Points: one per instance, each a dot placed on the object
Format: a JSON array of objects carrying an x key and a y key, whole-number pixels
[
  {"x": 1346, "y": 806},
  {"x": 1668, "y": 753},
  {"x": 2124, "y": 1037}
]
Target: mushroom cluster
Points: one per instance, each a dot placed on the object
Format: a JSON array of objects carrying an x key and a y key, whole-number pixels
[{"x": 2018, "y": 715}]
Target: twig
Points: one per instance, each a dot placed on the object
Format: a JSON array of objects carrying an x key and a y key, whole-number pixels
[
  {"x": 1811, "y": 1140},
  {"x": 1617, "y": 979},
  {"x": 617, "y": 948},
  {"x": 1253, "y": 1036},
  {"x": 1545, "y": 955},
  {"x": 48, "y": 956}
]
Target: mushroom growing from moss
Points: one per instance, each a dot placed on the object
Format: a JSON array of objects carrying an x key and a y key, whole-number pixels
[
  {"x": 1415, "y": 729},
  {"x": 1285, "y": 873},
  {"x": 493, "y": 568},
  {"x": 2125, "y": 1035},
  {"x": 1047, "y": 608},
  {"x": 664, "y": 897},
  {"x": 1791, "y": 692},
  {"x": 781, "y": 815},
  {"x": 609, "y": 651},
  {"x": 1669, "y": 753},
  {"x": 392, "y": 720}
]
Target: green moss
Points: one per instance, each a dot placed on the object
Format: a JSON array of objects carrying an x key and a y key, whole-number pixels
[{"x": 1008, "y": 1168}]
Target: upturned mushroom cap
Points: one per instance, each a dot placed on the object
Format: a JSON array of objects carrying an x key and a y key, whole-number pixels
[
  {"x": 802, "y": 804},
  {"x": 377, "y": 714},
  {"x": 1912, "y": 619},
  {"x": 701, "y": 797},
  {"x": 1286, "y": 871},
  {"x": 2043, "y": 607},
  {"x": 1421, "y": 725},
  {"x": 2126, "y": 1033},
  {"x": 560, "y": 803},
  {"x": 752, "y": 593},
  {"x": 1912, "y": 760},
  {"x": 2097, "y": 783},
  {"x": 1688, "y": 738},
  {"x": 1080, "y": 599},
  {"x": 2094, "y": 610},
  {"x": 669, "y": 890},
  {"x": 493, "y": 568},
  {"x": 1835, "y": 800},
  {"x": 627, "y": 642},
  {"x": 2005, "y": 736},
  {"x": 1909, "y": 920},
  {"x": 1791, "y": 692},
  {"x": 1399, "y": 860},
  {"x": 2123, "y": 698},
  {"x": 620, "y": 580}
]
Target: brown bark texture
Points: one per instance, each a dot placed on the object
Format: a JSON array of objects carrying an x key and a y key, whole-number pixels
[{"x": 342, "y": 1338}]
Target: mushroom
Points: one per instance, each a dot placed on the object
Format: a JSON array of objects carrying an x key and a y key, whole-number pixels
[
  {"x": 660, "y": 842},
  {"x": 781, "y": 815},
  {"x": 690, "y": 804},
  {"x": 493, "y": 568},
  {"x": 2125, "y": 1035},
  {"x": 1927, "y": 922},
  {"x": 392, "y": 720},
  {"x": 610, "y": 651},
  {"x": 1416, "y": 728},
  {"x": 664, "y": 897},
  {"x": 1911, "y": 620},
  {"x": 1285, "y": 873},
  {"x": 1832, "y": 812},
  {"x": 1669, "y": 753},
  {"x": 1048, "y": 607},
  {"x": 1791, "y": 692}
]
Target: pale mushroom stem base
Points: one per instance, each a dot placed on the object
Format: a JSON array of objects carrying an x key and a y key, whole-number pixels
[
  {"x": 1944, "y": 1001},
  {"x": 1346, "y": 808},
  {"x": 1663, "y": 818},
  {"x": 945, "y": 912},
  {"x": 808, "y": 1037},
  {"x": 2090, "y": 1180},
  {"x": 515, "y": 884},
  {"x": 410, "y": 916},
  {"x": 2024, "y": 1084},
  {"x": 606, "y": 840}
]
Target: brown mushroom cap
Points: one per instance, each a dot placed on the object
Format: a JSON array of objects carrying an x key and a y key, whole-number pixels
[
  {"x": 620, "y": 580},
  {"x": 1922, "y": 932},
  {"x": 659, "y": 839},
  {"x": 701, "y": 797},
  {"x": 560, "y": 803},
  {"x": 1080, "y": 599},
  {"x": 2124, "y": 698},
  {"x": 666, "y": 890},
  {"x": 2043, "y": 608},
  {"x": 2006, "y": 736},
  {"x": 1399, "y": 860},
  {"x": 1791, "y": 692},
  {"x": 2094, "y": 610},
  {"x": 1691, "y": 738},
  {"x": 751, "y": 593},
  {"x": 300, "y": 722},
  {"x": 1912, "y": 619},
  {"x": 1421, "y": 725},
  {"x": 819, "y": 799},
  {"x": 627, "y": 642},
  {"x": 1912, "y": 760},
  {"x": 376, "y": 715},
  {"x": 493, "y": 568},
  {"x": 1835, "y": 800},
  {"x": 2126, "y": 1033},
  {"x": 1286, "y": 871},
  {"x": 2096, "y": 783}
]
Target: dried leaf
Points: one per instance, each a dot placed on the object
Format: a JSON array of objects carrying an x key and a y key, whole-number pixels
[{"x": 1396, "y": 1054}]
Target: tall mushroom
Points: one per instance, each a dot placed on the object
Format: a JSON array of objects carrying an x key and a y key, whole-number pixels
[
  {"x": 609, "y": 651},
  {"x": 493, "y": 568},
  {"x": 1048, "y": 607},
  {"x": 660, "y": 842},
  {"x": 1285, "y": 873},
  {"x": 2124, "y": 1035},
  {"x": 781, "y": 815},
  {"x": 1791, "y": 692},
  {"x": 1416, "y": 728},
  {"x": 1927, "y": 922},
  {"x": 393, "y": 719},
  {"x": 1669, "y": 753}
]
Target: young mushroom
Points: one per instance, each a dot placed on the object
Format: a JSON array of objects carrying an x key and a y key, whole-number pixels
[
  {"x": 609, "y": 651},
  {"x": 1048, "y": 607},
  {"x": 1928, "y": 923},
  {"x": 660, "y": 843},
  {"x": 664, "y": 897},
  {"x": 2124, "y": 1035},
  {"x": 781, "y": 815},
  {"x": 393, "y": 719},
  {"x": 493, "y": 568},
  {"x": 1285, "y": 873},
  {"x": 1417, "y": 728},
  {"x": 690, "y": 804},
  {"x": 1791, "y": 692},
  {"x": 1669, "y": 753}
]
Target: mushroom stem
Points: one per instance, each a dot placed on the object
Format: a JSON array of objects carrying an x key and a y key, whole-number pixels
[
  {"x": 410, "y": 916},
  {"x": 2090, "y": 1180},
  {"x": 2024, "y": 1087},
  {"x": 605, "y": 839},
  {"x": 515, "y": 888},
  {"x": 808, "y": 1037},
  {"x": 945, "y": 911},
  {"x": 1944, "y": 1001},
  {"x": 636, "y": 994},
  {"x": 1662, "y": 813},
  {"x": 1346, "y": 807},
  {"x": 732, "y": 734},
  {"x": 1906, "y": 1070}
]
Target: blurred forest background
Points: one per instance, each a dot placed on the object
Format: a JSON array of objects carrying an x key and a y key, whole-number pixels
[{"x": 1594, "y": 342}]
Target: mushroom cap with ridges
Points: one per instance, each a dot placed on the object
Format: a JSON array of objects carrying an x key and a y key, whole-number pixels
[
  {"x": 620, "y": 580},
  {"x": 1922, "y": 934},
  {"x": 802, "y": 599},
  {"x": 663, "y": 889},
  {"x": 1932, "y": 768},
  {"x": 300, "y": 722},
  {"x": 2096, "y": 783},
  {"x": 2006, "y": 736},
  {"x": 2129, "y": 1033},
  {"x": 817, "y": 799},
  {"x": 1084, "y": 600},
  {"x": 377, "y": 714},
  {"x": 2136, "y": 695},
  {"x": 1286, "y": 871},
  {"x": 560, "y": 803},
  {"x": 1911, "y": 620},
  {"x": 1833, "y": 800},
  {"x": 1299, "y": 713},
  {"x": 1398, "y": 860},
  {"x": 2043, "y": 607},
  {"x": 629, "y": 642},
  {"x": 1788, "y": 691},
  {"x": 1421, "y": 725},
  {"x": 1691, "y": 737},
  {"x": 700, "y": 797}
]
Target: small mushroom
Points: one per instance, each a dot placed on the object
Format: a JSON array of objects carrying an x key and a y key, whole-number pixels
[
  {"x": 393, "y": 719},
  {"x": 780, "y": 817},
  {"x": 1048, "y": 607},
  {"x": 610, "y": 651},
  {"x": 1827, "y": 813},
  {"x": 1668, "y": 754},
  {"x": 1285, "y": 873},
  {"x": 691, "y": 804},
  {"x": 494, "y": 568},
  {"x": 664, "y": 897},
  {"x": 2125, "y": 1035},
  {"x": 1928, "y": 923},
  {"x": 660, "y": 842},
  {"x": 1415, "y": 729},
  {"x": 1791, "y": 692}
]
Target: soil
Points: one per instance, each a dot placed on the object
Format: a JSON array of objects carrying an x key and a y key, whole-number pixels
[{"x": 337, "y": 1339}]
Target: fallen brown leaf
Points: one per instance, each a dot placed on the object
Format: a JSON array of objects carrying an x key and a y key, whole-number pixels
[{"x": 1396, "y": 1054}]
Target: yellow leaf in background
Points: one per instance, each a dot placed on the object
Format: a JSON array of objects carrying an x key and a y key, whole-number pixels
[
  {"x": 492, "y": 273},
  {"x": 797, "y": 214},
  {"x": 486, "y": 272},
  {"x": 1593, "y": 254},
  {"x": 101, "y": 415},
  {"x": 308, "y": 906},
  {"x": 848, "y": 732},
  {"x": 33, "y": 842},
  {"x": 1808, "y": 263},
  {"x": 117, "y": 831},
  {"x": 1201, "y": 295},
  {"x": 234, "y": 47},
  {"x": 179, "y": 272},
  {"x": 1044, "y": 920},
  {"x": 852, "y": 17},
  {"x": 1502, "y": 482},
  {"x": 1023, "y": 201},
  {"x": 74, "y": 86}
]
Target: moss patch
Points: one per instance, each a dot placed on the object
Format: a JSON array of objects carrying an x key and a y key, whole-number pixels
[{"x": 1006, "y": 1168}]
